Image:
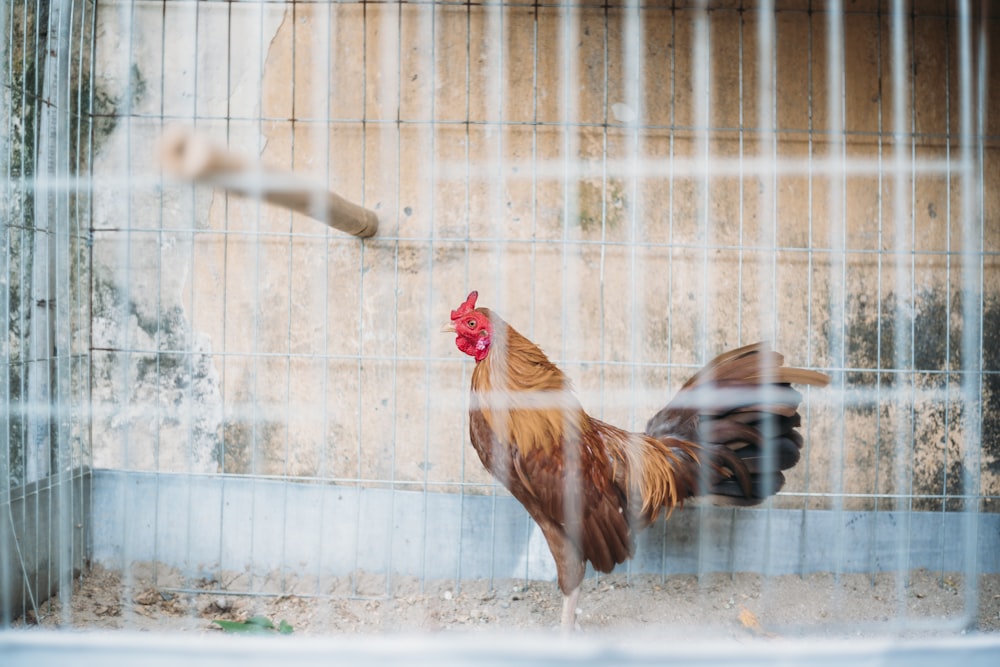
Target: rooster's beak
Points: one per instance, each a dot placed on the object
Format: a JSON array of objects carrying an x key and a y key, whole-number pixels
[{"x": 448, "y": 328}]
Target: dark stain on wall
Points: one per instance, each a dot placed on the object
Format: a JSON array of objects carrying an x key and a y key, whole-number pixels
[
  {"x": 178, "y": 377},
  {"x": 931, "y": 413}
]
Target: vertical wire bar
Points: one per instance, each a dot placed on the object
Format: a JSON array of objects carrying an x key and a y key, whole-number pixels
[
  {"x": 810, "y": 267},
  {"x": 365, "y": 70},
  {"x": 633, "y": 45},
  {"x": 39, "y": 451},
  {"x": 192, "y": 507},
  {"x": 493, "y": 17},
  {"x": 702, "y": 82},
  {"x": 127, "y": 510},
  {"x": 970, "y": 146},
  {"x": 10, "y": 192},
  {"x": 767, "y": 147},
  {"x": 41, "y": 386},
  {"x": 949, "y": 369},
  {"x": 434, "y": 169},
  {"x": 741, "y": 175},
  {"x": 226, "y": 242},
  {"x": 429, "y": 282},
  {"x": 973, "y": 464},
  {"x": 534, "y": 168},
  {"x": 62, "y": 335},
  {"x": 635, "y": 76},
  {"x": 602, "y": 244},
  {"x": 286, "y": 476},
  {"x": 910, "y": 224},
  {"x": 87, "y": 361},
  {"x": 33, "y": 509},
  {"x": 568, "y": 77},
  {"x": 767, "y": 259},
  {"x": 65, "y": 458},
  {"x": 256, "y": 352},
  {"x": 323, "y": 53},
  {"x": 6, "y": 88},
  {"x": 81, "y": 315},
  {"x": 904, "y": 307},
  {"x": 500, "y": 251},
  {"x": 27, "y": 96},
  {"x": 465, "y": 413},
  {"x": 73, "y": 461},
  {"x": 24, "y": 271},
  {"x": 602, "y": 312},
  {"x": 387, "y": 46},
  {"x": 880, "y": 373},
  {"x": 88, "y": 401},
  {"x": 498, "y": 73},
  {"x": 573, "y": 253},
  {"x": 242, "y": 411},
  {"x": 157, "y": 345},
  {"x": 837, "y": 160},
  {"x": 670, "y": 238},
  {"x": 701, "y": 78},
  {"x": 535, "y": 120},
  {"x": 43, "y": 265},
  {"x": 741, "y": 234}
]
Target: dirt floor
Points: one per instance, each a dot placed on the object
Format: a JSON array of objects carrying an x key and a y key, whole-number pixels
[{"x": 718, "y": 606}]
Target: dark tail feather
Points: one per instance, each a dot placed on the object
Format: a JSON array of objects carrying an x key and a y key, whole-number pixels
[
  {"x": 730, "y": 493},
  {"x": 741, "y": 408}
]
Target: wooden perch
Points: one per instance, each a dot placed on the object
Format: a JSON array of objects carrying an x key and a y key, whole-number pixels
[{"x": 193, "y": 158}]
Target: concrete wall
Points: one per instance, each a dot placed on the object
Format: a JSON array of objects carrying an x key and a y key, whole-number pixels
[{"x": 235, "y": 337}]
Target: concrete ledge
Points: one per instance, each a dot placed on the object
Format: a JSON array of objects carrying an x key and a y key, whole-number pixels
[{"x": 201, "y": 524}]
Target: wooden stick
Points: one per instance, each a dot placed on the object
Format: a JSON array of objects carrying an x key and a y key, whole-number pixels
[{"x": 193, "y": 158}]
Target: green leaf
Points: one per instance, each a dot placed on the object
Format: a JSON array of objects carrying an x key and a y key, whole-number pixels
[
  {"x": 261, "y": 621},
  {"x": 255, "y": 625},
  {"x": 240, "y": 626}
]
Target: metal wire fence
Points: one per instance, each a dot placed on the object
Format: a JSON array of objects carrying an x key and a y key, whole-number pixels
[
  {"x": 45, "y": 390},
  {"x": 207, "y": 394}
]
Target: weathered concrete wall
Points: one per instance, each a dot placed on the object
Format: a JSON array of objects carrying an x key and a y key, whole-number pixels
[{"x": 236, "y": 337}]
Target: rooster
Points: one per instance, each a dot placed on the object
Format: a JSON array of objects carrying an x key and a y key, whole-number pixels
[{"x": 591, "y": 486}]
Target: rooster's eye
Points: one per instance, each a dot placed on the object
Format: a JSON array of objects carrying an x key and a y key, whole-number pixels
[{"x": 472, "y": 324}]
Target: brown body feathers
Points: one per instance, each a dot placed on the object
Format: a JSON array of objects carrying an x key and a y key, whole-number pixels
[{"x": 591, "y": 486}]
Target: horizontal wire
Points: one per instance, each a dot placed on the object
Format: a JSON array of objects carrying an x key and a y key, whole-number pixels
[
  {"x": 647, "y": 6},
  {"x": 493, "y": 486},
  {"x": 559, "y": 170},
  {"x": 453, "y": 359},
  {"x": 205, "y": 121},
  {"x": 542, "y": 241}
]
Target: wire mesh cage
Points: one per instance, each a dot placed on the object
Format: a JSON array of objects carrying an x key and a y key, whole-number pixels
[{"x": 221, "y": 406}]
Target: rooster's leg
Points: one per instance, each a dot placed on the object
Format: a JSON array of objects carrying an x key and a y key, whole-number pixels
[{"x": 569, "y": 611}]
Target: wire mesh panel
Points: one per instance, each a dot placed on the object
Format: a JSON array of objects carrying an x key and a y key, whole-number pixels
[
  {"x": 44, "y": 269},
  {"x": 277, "y": 423}
]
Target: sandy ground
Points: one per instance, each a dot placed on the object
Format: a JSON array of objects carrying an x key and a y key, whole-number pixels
[{"x": 716, "y": 606}]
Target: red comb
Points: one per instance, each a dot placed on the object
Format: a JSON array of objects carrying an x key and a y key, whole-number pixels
[{"x": 469, "y": 304}]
